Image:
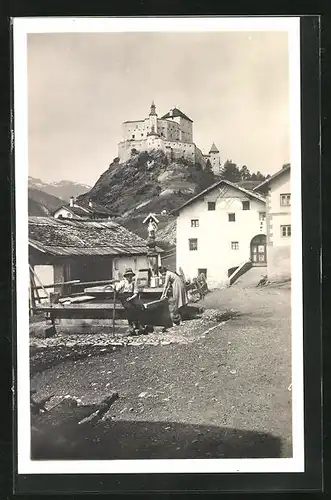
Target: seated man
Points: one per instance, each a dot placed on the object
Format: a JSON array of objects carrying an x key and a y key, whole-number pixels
[{"x": 128, "y": 292}]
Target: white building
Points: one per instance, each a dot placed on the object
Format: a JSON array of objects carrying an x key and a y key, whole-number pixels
[
  {"x": 172, "y": 133},
  {"x": 90, "y": 210},
  {"x": 220, "y": 229},
  {"x": 277, "y": 190}
]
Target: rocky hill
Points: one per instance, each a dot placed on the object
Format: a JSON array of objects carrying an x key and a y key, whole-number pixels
[
  {"x": 61, "y": 189},
  {"x": 148, "y": 182}
]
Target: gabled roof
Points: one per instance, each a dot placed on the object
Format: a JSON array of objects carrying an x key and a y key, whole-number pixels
[
  {"x": 151, "y": 216},
  {"x": 84, "y": 210},
  {"x": 173, "y": 113},
  {"x": 217, "y": 184},
  {"x": 68, "y": 237},
  {"x": 286, "y": 168},
  {"x": 213, "y": 149},
  {"x": 78, "y": 211}
]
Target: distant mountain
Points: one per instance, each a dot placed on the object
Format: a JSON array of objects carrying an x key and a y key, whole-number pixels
[
  {"x": 61, "y": 189},
  {"x": 41, "y": 203}
]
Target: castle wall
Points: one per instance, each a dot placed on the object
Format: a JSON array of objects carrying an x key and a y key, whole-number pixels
[
  {"x": 175, "y": 138},
  {"x": 186, "y": 130},
  {"x": 185, "y": 127},
  {"x": 134, "y": 130},
  {"x": 169, "y": 130},
  {"x": 173, "y": 149},
  {"x": 125, "y": 147},
  {"x": 200, "y": 157}
]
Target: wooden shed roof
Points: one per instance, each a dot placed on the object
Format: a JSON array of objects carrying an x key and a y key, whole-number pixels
[{"x": 63, "y": 237}]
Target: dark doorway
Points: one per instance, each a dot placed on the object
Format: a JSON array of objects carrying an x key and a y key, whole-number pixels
[
  {"x": 90, "y": 268},
  {"x": 259, "y": 250},
  {"x": 202, "y": 271}
]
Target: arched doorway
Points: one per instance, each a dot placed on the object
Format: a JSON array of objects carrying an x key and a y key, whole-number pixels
[{"x": 259, "y": 250}]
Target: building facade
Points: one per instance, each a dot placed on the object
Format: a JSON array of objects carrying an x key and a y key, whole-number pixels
[
  {"x": 218, "y": 230},
  {"x": 172, "y": 133},
  {"x": 277, "y": 190}
]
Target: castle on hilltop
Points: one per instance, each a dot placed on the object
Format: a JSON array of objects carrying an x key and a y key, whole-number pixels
[{"x": 172, "y": 133}]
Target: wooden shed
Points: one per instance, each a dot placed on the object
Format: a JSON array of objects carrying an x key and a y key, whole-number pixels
[{"x": 61, "y": 250}]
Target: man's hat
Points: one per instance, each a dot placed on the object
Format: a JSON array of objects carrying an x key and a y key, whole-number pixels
[{"x": 129, "y": 272}]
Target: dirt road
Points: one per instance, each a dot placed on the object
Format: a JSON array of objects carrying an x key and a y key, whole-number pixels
[{"x": 224, "y": 394}]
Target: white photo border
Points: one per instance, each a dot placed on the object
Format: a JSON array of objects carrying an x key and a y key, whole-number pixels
[{"x": 21, "y": 28}]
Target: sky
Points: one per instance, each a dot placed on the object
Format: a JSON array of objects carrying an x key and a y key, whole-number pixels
[{"x": 82, "y": 86}]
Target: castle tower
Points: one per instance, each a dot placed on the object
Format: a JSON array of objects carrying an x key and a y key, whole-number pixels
[
  {"x": 153, "y": 119},
  {"x": 215, "y": 159}
]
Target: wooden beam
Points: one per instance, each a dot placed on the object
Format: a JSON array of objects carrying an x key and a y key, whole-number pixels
[{"x": 76, "y": 283}]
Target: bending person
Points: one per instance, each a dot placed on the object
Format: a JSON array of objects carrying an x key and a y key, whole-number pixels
[{"x": 174, "y": 280}]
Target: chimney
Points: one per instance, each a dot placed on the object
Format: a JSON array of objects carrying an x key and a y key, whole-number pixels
[
  {"x": 72, "y": 201},
  {"x": 90, "y": 204}
]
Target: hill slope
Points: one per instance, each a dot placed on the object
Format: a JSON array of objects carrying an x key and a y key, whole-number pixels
[
  {"x": 148, "y": 182},
  {"x": 42, "y": 204}
]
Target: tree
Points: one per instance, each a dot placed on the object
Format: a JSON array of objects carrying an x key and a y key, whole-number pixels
[
  {"x": 245, "y": 173},
  {"x": 260, "y": 177},
  {"x": 230, "y": 172}
]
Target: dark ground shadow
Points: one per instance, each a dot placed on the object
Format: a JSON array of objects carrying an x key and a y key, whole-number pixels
[{"x": 148, "y": 440}]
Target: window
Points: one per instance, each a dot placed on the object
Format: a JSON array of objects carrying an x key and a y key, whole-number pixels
[
  {"x": 246, "y": 205},
  {"x": 285, "y": 231},
  {"x": 194, "y": 222},
  {"x": 211, "y": 205},
  {"x": 234, "y": 245},
  {"x": 232, "y": 217},
  {"x": 285, "y": 200},
  {"x": 262, "y": 216},
  {"x": 193, "y": 243}
]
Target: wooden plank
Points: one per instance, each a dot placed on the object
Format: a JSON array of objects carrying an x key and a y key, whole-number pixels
[
  {"x": 87, "y": 306},
  {"x": 57, "y": 284},
  {"x": 87, "y": 314},
  {"x": 96, "y": 290},
  {"x": 80, "y": 299},
  {"x": 77, "y": 283}
]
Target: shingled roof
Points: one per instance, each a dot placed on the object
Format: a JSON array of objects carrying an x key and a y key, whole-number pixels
[
  {"x": 65, "y": 237},
  {"x": 173, "y": 113}
]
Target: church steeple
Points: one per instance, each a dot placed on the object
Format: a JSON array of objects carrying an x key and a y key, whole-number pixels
[{"x": 153, "y": 111}]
